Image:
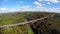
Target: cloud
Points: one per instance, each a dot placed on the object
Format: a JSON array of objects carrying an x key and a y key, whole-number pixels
[
  {"x": 25, "y": 8},
  {"x": 37, "y": 3},
  {"x": 53, "y": 1},
  {"x": 56, "y": 10},
  {"x": 6, "y": 10},
  {"x": 46, "y": 0},
  {"x": 40, "y": 7},
  {"x": 3, "y": 8},
  {"x": 19, "y": 2},
  {"x": 39, "y": 0}
]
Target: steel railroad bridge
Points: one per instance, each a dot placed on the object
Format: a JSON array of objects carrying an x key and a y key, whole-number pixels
[{"x": 31, "y": 23}]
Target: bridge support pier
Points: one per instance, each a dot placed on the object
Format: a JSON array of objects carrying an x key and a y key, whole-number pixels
[
  {"x": 25, "y": 28},
  {"x": 38, "y": 25}
]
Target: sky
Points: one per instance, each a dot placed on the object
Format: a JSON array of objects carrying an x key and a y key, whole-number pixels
[{"x": 29, "y": 5}]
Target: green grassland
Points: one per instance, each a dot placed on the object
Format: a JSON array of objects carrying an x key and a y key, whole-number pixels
[{"x": 17, "y": 17}]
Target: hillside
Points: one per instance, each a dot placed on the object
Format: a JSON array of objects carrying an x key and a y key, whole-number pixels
[{"x": 17, "y": 17}]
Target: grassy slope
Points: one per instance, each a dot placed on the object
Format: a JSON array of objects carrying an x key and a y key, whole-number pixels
[{"x": 11, "y": 19}]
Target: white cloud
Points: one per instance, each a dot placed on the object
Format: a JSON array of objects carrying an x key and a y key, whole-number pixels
[
  {"x": 40, "y": 7},
  {"x": 56, "y": 10},
  {"x": 3, "y": 8},
  {"x": 46, "y": 0},
  {"x": 25, "y": 8},
  {"x": 38, "y": 3},
  {"x": 53, "y": 1},
  {"x": 39, "y": 0},
  {"x": 19, "y": 2},
  {"x": 6, "y": 10}
]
